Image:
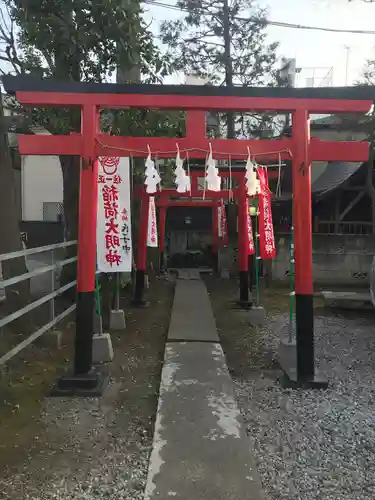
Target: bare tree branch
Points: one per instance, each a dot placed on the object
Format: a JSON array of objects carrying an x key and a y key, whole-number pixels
[
  {"x": 8, "y": 39},
  {"x": 49, "y": 60}
]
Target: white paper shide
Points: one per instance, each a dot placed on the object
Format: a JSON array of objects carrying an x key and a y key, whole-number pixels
[
  {"x": 114, "y": 241},
  {"x": 182, "y": 180},
  {"x": 152, "y": 230},
  {"x": 252, "y": 181},
  {"x": 212, "y": 177},
  {"x": 152, "y": 177}
]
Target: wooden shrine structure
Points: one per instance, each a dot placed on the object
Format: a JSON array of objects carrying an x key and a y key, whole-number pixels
[{"x": 91, "y": 143}]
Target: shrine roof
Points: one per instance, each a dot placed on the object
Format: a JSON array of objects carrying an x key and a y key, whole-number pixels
[
  {"x": 334, "y": 176},
  {"x": 13, "y": 84},
  {"x": 352, "y": 122}
]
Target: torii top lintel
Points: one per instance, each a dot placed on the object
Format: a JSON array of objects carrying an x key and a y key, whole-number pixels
[
  {"x": 197, "y": 100},
  {"x": 315, "y": 100}
]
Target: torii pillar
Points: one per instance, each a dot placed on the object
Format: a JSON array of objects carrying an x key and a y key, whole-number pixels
[{"x": 302, "y": 220}]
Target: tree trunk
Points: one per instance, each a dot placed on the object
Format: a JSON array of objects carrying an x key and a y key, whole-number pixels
[
  {"x": 370, "y": 166},
  {"x": 228, "y": 64},
  {"x": 125, "y": 73},
  {"x": 10, "y": 240},
  {"x": 70, "y": 166},
  {"x": 370, "y": 188},
  {"x": 67, "y": 67}
]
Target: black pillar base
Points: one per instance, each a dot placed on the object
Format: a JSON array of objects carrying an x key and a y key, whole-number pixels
[
  {"x": 251, "y": 272},
  {"x": 88, "y": 385},
  {"x": 296, "y": 358},
  {"x": 84, "y": 333},
  {"x": 83, "y": 382},
  {"x": 305, "y": 336},
  {"x": 138, "y": 300},
  {"x": 288, "y": 364},
  {"x": 215, "y": 262},
  {"x": 140, "y": 304},
  {"x": 288, "y": 382},
  {"x": 243, "y": 304},
  {"x": 245, "y": 301},
  {"x": 162, "y": 263}
]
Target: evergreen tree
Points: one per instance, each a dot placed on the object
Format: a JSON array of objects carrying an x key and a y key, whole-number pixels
[
  {"x": 198, "y": 42},
  {"x": 227, "y": 43}
]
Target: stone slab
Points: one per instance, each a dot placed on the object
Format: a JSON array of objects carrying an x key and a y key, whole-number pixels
[
  {"x": 254, "y": 315},
  {"x": 117, "y": 320},
  {"x": 102, "y": 350},
  {"x": 192, "y": 318},
  {"x": 288, "y": 355},
  {"x": 347, "y": 300},
  {"x": 257, "y": 316},
  {"x": 225, "y": 274},
  {"x": 53, "y": 339},
  {"x": 200, "y": 450}
]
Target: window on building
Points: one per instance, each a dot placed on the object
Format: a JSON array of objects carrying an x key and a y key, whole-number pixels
[{"x": 52, "y": 211}]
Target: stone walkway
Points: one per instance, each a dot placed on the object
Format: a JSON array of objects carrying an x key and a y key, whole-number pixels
[{"x": 200, "y": 449}]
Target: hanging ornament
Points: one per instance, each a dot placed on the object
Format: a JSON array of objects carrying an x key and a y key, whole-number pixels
[
  {"x": 152, "y": 177},
  {"x": 213, "y": 179},
  {"x": 252, "y": 182},
  {"x": 182, "y": 180}
]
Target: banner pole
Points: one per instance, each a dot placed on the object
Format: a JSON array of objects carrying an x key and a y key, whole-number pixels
[{"x": 117, "y": 302}]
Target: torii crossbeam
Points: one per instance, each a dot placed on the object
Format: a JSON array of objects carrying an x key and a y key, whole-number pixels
[{"x": 90, "y": 144}]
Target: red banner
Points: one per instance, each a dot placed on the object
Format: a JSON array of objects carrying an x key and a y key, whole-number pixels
[
  {"x": 152, "y": 231},
  {"x": 266, "y": 236},
  {"x": 223, "y": 229},
  {"x": 250, "y": 237}
]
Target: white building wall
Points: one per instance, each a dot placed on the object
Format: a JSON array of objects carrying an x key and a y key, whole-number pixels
[{"x": 41, "y": 182}]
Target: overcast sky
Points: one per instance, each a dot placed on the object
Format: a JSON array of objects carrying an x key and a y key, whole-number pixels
[{"x": 312, "y": 48}]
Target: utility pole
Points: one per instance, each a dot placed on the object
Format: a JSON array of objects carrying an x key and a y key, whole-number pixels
[{"x": 228, "y": 63}]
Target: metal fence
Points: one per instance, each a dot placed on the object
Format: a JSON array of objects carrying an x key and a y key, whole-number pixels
[
  {"x": 54, "y": 268},
  {"x": 344, "y": 227}
]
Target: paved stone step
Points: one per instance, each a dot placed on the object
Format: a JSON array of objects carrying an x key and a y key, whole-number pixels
[{"x": 201, "y": 450}]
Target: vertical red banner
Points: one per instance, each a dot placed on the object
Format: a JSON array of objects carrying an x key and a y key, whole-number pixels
[
  {"x": 223, "y": 224},
  {"x": 266, "y": 235},
  {"x": 251, "y": 248}
]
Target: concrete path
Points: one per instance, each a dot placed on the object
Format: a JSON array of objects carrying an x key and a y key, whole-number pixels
[
  {"x": 188, "y": 274},
  {"x": 192, "y": 317},
  {"x": 200, "y": 450}
]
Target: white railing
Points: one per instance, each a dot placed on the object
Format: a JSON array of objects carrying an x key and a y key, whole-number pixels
[{"x": 55, "y": 267}]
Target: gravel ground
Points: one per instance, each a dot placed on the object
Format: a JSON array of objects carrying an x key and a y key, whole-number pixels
[
  {"x": 86, "y": 449},
  {"x": 308, "y": 444}
]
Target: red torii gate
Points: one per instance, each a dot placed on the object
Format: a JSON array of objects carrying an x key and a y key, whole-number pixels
[
  {"x": 195, "y": 192},
  {"x": 90, "y": 144}
]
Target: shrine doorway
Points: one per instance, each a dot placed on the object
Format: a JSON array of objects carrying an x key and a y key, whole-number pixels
[{"x": 189, "y": 238}]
